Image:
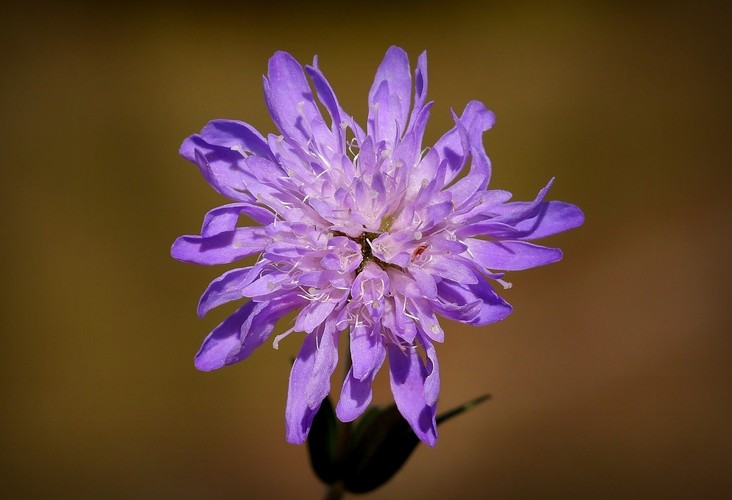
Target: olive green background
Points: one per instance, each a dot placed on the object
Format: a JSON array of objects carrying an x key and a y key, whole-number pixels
[{"x": 610, "y": 380}]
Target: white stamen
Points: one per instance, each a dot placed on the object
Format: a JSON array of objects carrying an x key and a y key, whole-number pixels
[
  {"x": 276, "y": 343},
  {"x": 505, "y": 284}
]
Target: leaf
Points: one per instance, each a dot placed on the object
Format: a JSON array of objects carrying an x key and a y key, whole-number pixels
[
  {"x": 322, "y": 443},
  {"x": 382, "y": 443}
]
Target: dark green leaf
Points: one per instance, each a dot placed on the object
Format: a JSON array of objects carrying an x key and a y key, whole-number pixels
[
  {"x": 382, "y": 441},
  {"x": 322, "y": 443}
]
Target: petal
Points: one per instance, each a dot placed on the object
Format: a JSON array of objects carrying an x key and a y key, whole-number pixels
[
  {"x": 298, "y": 414},
  {"x": 452, "y": 267},
  {"x": 432, "y": 382},
  {"x": 327, "y": 96},
  {"x": 510, "y": 255},
  {"x": 553, "y": 217},
  {"x": 389, "y": 97},
  {"x": 354, "y": 399},
  {"x": 313, "y": 315},
  {"x": 326, "y": 359},
  {"x": 309, "y": 382},
  {"x": 516, "y": 211},
  {"x": 420, "y": 90},
  {"x": 222, "y": 248},
  {"x": 225, "y": 218},
  {"x": 223, "y": 168},
  {"x": 291, "y": 104},
  {"x": 367, "y": 351},
  {"x": 226, "y": 288},
  {"x": 428, "y": 322},
  {"x": 237, "y": 136},
  {"x": 453, "y": 147},
  {"x": 356, "y": 393},
  {"x": 480, "y": 296},
  {"x": 242, "y": 332},
  {"x": 408, "y": 375},
  {"x": 425, "y": 281}
]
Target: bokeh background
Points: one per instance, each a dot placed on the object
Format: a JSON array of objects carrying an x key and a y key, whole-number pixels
[{"x": 610, "y": 380}]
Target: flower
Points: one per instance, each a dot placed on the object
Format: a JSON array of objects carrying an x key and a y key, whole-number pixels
[{"x": 364, "y": 232}]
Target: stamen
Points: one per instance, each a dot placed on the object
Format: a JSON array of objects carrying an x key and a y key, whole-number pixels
[
  {"x": 276, "y": 343},
  {"x": 505, "y": 284}
]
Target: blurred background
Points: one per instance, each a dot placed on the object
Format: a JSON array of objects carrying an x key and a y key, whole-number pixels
[{"x": 610, "y": 380}]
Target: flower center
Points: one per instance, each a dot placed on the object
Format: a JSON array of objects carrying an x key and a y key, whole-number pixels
[{"x": 366, "y": 253}]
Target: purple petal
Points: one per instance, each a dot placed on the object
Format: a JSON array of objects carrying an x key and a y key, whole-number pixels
[
  {"x": 452, "y": 267},
  {"x": 326, "y": 359},
  {"x": 237, "y": 136},
  {"x": 291, "y": 104},
  {"x": 223, "y": 168},
  {"x": 453, "y": 146},
  {"x": 408, "y": 375},
  {"x": 420, "y": 89},
  {"x": 490, "y": 307},
  {"x": 242, "y": 332},
  {"x": 428, "y": 322},
  {"x": 226, "y": 288},
  {"x": 225, "y": 218},
  {"x": 310, "y": 381},
  {"x": 553, "y": 217},
  {"x": 222, "y": 248},
  {"x": 367, "y": 351},
  {"x": 313, "y": 315},
  {"x": 432, "y": 382},
  {"x": 298, "y": 414},
  {"x": 425, "y": 281},
  {"x": 516, "y": 211},
  {"x": 328, "y": 98},
  {"x": 356, "y": 393},
  {"x": 389, "y": 97},
  {"x": 511, "y": 255}
]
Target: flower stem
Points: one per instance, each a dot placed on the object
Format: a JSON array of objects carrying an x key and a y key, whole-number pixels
[{"x": 335, "y": 491}]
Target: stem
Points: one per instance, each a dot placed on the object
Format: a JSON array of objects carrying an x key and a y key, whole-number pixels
[{"x": 335, "y": 491}]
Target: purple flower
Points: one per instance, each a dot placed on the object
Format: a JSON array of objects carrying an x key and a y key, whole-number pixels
[{"x": 364, "y": 233}]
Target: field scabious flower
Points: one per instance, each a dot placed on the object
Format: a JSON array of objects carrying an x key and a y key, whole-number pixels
[{"x": 362, "y": 232}]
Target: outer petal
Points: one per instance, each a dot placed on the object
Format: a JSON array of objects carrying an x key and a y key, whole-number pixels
[
  {"x": 310, "y": 382},
  {"x": 432, "y": 382},
  {"x": 479, "y": 298},
  {"x": 408, "y": 375},
  {"x": 389, "y": 97},
  {"x": 223, "y": 168},
  {"x": 326, "y": 359},
  {"x": 291, "y": 104},
  {"x": 553, "y": 217},
  {"x": 225, "y": 218},
  {"x": 420, "y": 89},
  {"x": 222, "y": 248},
  {"x": 226, "y": 288},
  {"x": 298, "y": 415},
  {"x": 356, "y": 393},
  {"x": 453, "y": 147},
  {"x": 511, "y": 255},
  {"x": 366, "y": 350},
  {"x": 242, "y": 332},
  {"x": 330, "y": 101},
  {"x": 237, "y": 136}
]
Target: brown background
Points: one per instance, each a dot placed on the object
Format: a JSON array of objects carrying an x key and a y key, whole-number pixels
[{"x": 612, "y": 377}]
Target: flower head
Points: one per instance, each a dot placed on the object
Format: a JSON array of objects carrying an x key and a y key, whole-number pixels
[{"x": 363, "y": 233}]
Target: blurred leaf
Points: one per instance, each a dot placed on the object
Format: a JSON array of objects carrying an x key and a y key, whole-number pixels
[
  {"x": 322, "y": 443},
  {"x": 382, "y": 443}
]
